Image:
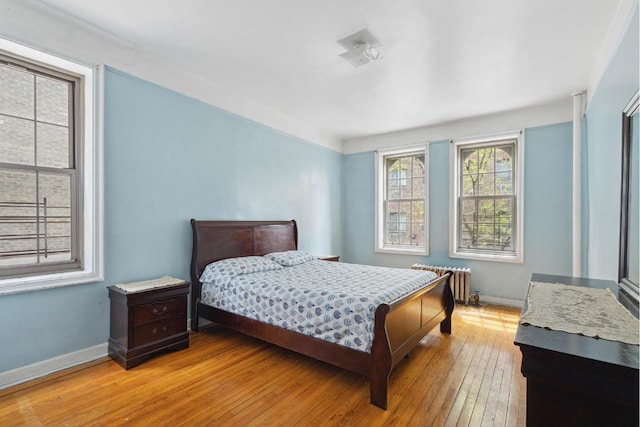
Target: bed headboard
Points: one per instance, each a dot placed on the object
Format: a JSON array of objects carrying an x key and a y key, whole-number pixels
[{"x": 216, "y": 240}]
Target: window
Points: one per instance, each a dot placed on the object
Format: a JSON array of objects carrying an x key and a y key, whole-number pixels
[
  {"x": 487, "y": 199},
  {"x": 629, "y": 255},
  {"x": 401, "y": 205},
  {"x": 49, "y": 157}
]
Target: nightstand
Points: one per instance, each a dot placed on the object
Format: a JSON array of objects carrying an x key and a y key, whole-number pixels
[
  {"x": 335, "y": 258},
  {"x": 147, "y": 322}
]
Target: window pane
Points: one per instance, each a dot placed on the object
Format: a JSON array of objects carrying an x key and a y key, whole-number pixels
[
  {"x": 394, "y": 189},
  {"x": 16, "y": 87},
  {"x": 485, "y": 211},
  {"x": 486, "y": 184},
  {"x": 504, "y": 185},
  {"x": 417, "y": 234},
  {"x": 469, "y": 185},
  {"x": 53, "y": 146},
  {"x": 404, "y": 238},
  {"x": 55, "y": 216},
  {"x": 504, "y": 222},
  {"x": 52, "y": 101},
  {"x": 485, "y": 159},
  {"x": 393, "y": 168},
  {"x": 404, "y": 216},
  {"x": 394, "y": 238},
  {"x": 16, "y": 140},
  {"x": 504, "y": 207},
  {"x": 406, "y": 165},
  {"x": 504, "y": 156},
  {"x": 468, "y": 210},
  {"x": 418, "y": 167},
  {"x": 417, "y": 211},
  {"x": 17, "y": 217},
  {"x": 402, "y": 223},
  {"x": 418, "y": 186},
  {"x": 469, "y": 236},
  {"x": 485, "y": 236},
  {"x": 504, "y": 170},
  {"x": 404, "y": 209},
  {"x": 406, "y": 190},
  {"x": 470, "y": 161},
  {"x": 392, "y": 211}
]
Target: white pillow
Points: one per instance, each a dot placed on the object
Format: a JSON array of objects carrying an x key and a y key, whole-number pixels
[{"x": 290, "y": 258}]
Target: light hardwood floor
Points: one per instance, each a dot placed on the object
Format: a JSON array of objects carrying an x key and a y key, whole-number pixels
[{"x": 471, "y": 377}]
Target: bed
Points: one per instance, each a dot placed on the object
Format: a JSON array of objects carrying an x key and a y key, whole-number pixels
[{"x": 398, "y": 326}]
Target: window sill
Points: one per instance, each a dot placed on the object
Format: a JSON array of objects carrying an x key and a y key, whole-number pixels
[
  {"x": 513, "y": 259},
  {"x": 37, "y": 283},
  {"x": 403, "y": 251}
]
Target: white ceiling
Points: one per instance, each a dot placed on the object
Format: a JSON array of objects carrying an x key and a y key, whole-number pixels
[{"x": 443, "y": 60}]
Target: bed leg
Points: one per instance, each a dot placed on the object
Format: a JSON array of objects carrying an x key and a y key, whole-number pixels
[
  {"x": 445, "y": 326},
  {"x": 380, "y": 359},
  {"x": 194, "y": 315},
  {"x": 378, "y": 391},
  {"x": 449, "y": 303}
]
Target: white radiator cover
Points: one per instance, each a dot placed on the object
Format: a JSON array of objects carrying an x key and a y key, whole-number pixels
[{"x": 460, "y": 280}]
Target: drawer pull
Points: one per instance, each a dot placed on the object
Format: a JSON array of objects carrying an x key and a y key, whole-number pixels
[
  {"x": 158, "y": 312},
  {"x": 155, "y": 330}
]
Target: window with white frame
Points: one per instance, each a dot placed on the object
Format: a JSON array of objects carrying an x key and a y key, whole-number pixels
[
  {"x": 401, "y": 200},
  {"x": 487, "y": 198},
  {"x": 49, "y": 183}
]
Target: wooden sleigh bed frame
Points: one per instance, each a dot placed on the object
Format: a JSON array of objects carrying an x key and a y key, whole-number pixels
[{"x": 398, "y": 327}]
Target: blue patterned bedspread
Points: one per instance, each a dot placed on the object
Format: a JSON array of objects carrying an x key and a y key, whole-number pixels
[{"x": 329, "y": 300}]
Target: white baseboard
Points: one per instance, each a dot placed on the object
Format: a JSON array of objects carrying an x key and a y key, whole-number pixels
[
  {"x": 49, "y": 366},
  {"x": 55, "y": 364},
  {"x": 509, "y": 302}
]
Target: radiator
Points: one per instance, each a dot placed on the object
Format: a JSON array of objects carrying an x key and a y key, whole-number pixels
[{"x": 460, "y": 280}]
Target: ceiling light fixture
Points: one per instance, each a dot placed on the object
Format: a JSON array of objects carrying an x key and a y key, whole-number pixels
[{"x": 361, "y": 48}]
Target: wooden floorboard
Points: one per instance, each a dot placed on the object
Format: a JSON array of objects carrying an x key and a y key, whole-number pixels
[{"x": 469, "y": 378}]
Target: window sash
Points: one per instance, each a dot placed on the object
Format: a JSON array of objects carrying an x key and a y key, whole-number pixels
[
  {"x": 41, "y": 220},
  {"x": 511, "y": 224}
]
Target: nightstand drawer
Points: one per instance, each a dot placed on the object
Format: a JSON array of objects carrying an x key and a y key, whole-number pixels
[
  {"x": 157, "y": 330},
  {"x": 157, "y": 310}
]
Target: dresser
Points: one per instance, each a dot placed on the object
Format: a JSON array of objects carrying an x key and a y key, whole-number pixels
[
  {"x": 147, "y": 322},
  {"x": 574, "y": 380}
]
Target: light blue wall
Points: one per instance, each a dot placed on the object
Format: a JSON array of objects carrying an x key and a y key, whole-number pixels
[
  {"x": 603, "y": 164},
  {"x": 169, "y": 158},
  {"x": 547, "y": 214}
]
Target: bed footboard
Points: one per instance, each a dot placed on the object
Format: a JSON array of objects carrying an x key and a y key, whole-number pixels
[{"x": 399, "y": 327}]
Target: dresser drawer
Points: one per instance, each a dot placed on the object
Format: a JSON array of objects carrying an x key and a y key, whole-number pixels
[
  {"x": 158, "y": 310},
  {"x": 158, "y": 330}
]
